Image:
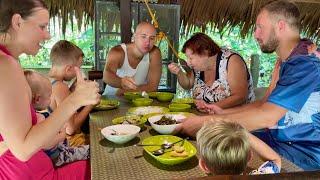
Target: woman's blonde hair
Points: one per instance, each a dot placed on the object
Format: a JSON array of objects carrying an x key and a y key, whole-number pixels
[{"x": 224, "y": 147}]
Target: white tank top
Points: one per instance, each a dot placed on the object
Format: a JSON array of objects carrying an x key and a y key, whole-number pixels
[{"x": 139, "y": 74}]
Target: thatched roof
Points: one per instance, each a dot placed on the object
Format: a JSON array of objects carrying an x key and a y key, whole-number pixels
[
  {"x": 83, "y": 10},
  {"x": 220, "y": 13}
]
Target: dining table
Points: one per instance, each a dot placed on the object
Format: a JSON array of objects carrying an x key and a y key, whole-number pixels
[{"x": 127, "y": 161}]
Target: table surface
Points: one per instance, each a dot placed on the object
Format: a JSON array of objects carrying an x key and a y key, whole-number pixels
[{"x": 112, "y": 161}]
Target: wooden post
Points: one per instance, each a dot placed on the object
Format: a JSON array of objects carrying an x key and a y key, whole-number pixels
[
  {"x": 254, "y": 69},
  {"x": 125, "y": 21}
]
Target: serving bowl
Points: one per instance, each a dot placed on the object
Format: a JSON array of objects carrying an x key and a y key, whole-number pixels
[
  {"x": 175, "y": 107},
  {"x": 121, "y": 133},
  {"x": 142, "y": 101},
  {"x": 183, "y": 101},
  {"x": 153, "y": 95},
  {"x": 132, "y": 95},
  {"x": 164, "y": 96},
  {"x": 166, "y": 123}
]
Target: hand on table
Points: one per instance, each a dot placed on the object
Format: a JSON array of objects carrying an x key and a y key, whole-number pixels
[
  {"x": 191, "y": 125},
  {"x": 208, "y": 108}
]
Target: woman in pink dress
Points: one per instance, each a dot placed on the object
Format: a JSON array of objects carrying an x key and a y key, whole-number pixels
[{"x": 23, "y": 27}]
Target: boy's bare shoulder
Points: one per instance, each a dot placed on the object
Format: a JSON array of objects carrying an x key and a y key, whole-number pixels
[{"x": 60, "y": 86}]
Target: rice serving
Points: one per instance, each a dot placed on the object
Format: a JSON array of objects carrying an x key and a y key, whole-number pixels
[{"x": 147, "y": 110}]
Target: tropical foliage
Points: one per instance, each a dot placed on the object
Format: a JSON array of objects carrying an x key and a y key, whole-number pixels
[{"x": 84, "y": 38}]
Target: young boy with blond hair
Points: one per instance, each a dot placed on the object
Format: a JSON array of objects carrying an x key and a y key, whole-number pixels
[
  {"x": 65, "y": 57},
  {"x": 226, "y": 148},
  {"x": 58, "y": 149}
]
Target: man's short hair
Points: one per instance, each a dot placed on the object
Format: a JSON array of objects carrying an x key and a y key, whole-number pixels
[
  {"x": 64, "y": 53},
  {"x": 224, "y": 147},
  {"x": 284, "y": 10}
]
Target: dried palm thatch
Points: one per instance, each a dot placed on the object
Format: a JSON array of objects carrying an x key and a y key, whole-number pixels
[
  {"x": 198, "y": 13},
  {"x": 231, "y": 13},
  {"x": 82, "y": 10}
]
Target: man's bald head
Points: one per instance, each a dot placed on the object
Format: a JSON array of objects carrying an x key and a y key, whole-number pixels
[
  {"x": 141, "y": 27},
  {"x": 144, "y": 37}
]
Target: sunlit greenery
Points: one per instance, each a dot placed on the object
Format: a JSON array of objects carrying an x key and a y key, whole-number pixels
[{"x": 85, "y": 40}]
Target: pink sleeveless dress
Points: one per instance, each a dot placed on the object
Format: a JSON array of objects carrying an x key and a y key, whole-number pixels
[{"x": 39, "y": 166}]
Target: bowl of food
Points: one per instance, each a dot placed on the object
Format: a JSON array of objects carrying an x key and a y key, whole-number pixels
[
  {"x": 153, "y": 95},
  {"x": 130, "y": 119},
  {"x": 132, "y": 95},
  {"x": 144, "y": 110},
  {"x": 142, "y": 101},
  {"x": 183, "y": 101},
  {"x": 164, "y": 96},
  {"x": 165, "y": 123},
  {"x": 107, "y": 104},
  {"x": 175, "y": 107},
  {"x": 121, "y": 133},
  {"x": 179, "y": 153}
]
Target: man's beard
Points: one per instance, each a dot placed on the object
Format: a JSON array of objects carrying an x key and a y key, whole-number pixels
[{"x": 271, "y": 45}]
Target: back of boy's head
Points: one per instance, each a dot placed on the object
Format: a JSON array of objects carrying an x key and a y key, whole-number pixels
[
  {"x": 35, "y": 80},
  {"x": 224, "y": 147},
  {"x": 65, "y": 53}
]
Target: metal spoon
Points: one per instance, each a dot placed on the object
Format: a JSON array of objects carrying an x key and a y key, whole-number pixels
[
  {"x": 158, "y": 152},
  {"x": 165, "y": 146},
  {"x": 169, "y": 145}
]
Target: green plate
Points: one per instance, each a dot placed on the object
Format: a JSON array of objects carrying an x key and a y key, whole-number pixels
[
  {"x": 144, "y": 110},
  {"x": 107, "y": 104},
  {"x": 183, "y": 100},
  {"x": 166, "y": 158},
  {"x": 140, "y": 121}
]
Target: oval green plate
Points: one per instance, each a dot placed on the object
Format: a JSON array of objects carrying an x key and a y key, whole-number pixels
[
  {"x": 143, "y": 110},
  {"x": 120, "y": 120},
  {"x": 166, "y": 158},
  {"x": 107, "y": 104}
]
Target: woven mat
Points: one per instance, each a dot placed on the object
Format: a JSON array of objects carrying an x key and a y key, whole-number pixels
[{"x": 111, "y": 161}]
